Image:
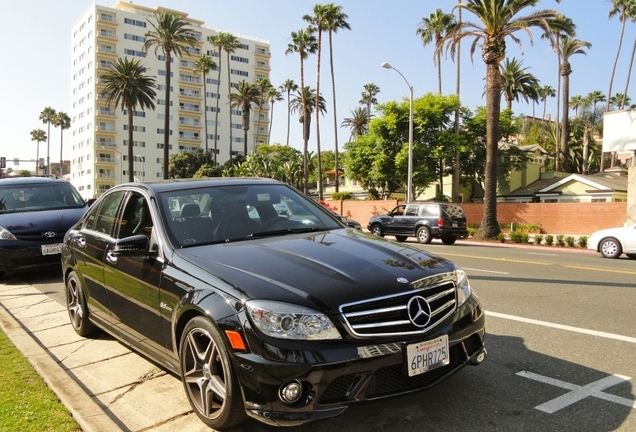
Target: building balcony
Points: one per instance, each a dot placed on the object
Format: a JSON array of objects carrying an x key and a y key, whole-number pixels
[
  {"x": 106, "y": 18},
  {"x": 106, "y": 160},
  {"x": 106, "y": 143},
  {"x": 106, "y": 128},
  {"x": 106, "y": 112},
  {"x": 189, "y": 122},
  {"x": 189, "y": 137},
  {"x": 105, "y": 175},
  {"x": 107, "y": 34},
  {"x": 109, "y": 51},
  {"x": 190, "y": 108}
]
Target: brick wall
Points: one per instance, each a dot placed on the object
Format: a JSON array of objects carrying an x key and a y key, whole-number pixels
[{"x": 554, "y": 218}]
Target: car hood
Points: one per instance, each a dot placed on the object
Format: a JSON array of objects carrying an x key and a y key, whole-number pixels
[
  {"x": 42, "y": 220},
  {"x": 322, "y": 270},
  {"x": 613, "y": 231}
]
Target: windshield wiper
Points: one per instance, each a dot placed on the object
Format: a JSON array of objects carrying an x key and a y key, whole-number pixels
[{"x": 285, "y": 232}]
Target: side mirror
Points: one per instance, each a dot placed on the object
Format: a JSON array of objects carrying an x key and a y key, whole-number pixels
[
  {"x": 133, "y": 245},
  {"x": 91, "y": 201}
]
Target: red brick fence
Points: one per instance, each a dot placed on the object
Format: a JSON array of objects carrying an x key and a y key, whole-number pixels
[{"x": 554, "y": 218}]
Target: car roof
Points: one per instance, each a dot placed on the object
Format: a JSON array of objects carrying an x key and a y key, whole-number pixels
[
  {"x": 159, "y": 186},
  {"x": 30, "y": 180}
]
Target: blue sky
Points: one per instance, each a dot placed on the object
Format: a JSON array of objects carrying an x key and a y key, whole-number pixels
[{"x": 36, "y": 57}]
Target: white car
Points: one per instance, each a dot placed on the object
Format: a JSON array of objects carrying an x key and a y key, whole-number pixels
[{"x": 613, "y": 242}]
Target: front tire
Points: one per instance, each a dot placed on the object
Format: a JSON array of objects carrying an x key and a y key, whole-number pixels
[
  {"x": 208, "y": 376},
  {"x": 610, "y": 248},
  {"x": 376, "y": 230},
  {"x": 76, "y": 307},
  {"x": 401, "y": 238},
  {"x": 423, "y": 235},
  {"x": 449, "y": 240}
]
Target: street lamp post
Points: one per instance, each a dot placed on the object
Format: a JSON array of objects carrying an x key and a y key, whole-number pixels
[{"x": 409, "y": 190}]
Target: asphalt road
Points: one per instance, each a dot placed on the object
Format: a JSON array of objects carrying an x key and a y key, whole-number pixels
[{"x": 561, "y": 340}]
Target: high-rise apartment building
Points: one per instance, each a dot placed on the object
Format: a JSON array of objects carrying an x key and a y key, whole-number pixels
[{"x": 100, "y": 133}]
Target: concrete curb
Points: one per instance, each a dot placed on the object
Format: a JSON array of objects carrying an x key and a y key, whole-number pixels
[{"x": 90, "y": 416}]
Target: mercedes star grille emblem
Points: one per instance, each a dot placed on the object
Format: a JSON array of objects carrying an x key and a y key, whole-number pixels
[
  {"x": 50, "y": 234},
  {"x": 419, "y": 311}
]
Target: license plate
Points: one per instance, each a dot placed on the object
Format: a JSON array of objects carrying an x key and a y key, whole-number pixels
[
  {"x": 425, "y": 356},
  {"x": 52, "y": 249},
  {"x": 454, "y": 224}
]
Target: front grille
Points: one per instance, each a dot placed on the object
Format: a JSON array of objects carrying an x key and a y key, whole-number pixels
[{"x": 389, "y": 315}]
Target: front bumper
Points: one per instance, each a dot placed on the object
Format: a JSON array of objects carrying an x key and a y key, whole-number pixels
[
  {"x": 347, "y": 371},
  {"x": 20, "y": 256}
]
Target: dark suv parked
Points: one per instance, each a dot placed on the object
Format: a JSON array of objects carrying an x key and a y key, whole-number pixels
[{"x": 425, "y": 221}]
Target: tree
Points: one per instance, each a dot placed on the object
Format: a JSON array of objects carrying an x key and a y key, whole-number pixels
[
  {"x": 596, "y": 97},
  {"x": 128, "y": 86},
  {"x": 288, "y": 86},
  {"x": 516, "y": 83},
  {"x": 569, "y": 47},
  {"x": 575, "y": 104},
  {"x": 273, "y": 95},
  {"x": 358, "y": 123},
  {"x": 436, "y": 26},
  {"x": 304, "y": 43},
  {"x": 262, "y": 85},
  {"x": 245, "y": 95},
  {"x": 203, "y": 65},
  {"x": 369, "y": 96},
  {"x": 544, "y": 93},
  {"x": 308, "y": 108},
  {"x": 37, "y": 135},
  {"x": 186, "y": 164},
  {"x": 499, "y": 19},
  {"x": 47, "y": 116},
  {"x": 63, "y": 121},
  {"x": 625, "y": 9},
  {"x": 617, "y": 100},
  {"x": 170, "y": 35}
]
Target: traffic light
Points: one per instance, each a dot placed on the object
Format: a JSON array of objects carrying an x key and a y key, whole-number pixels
[{"x": 3, "y": 162}]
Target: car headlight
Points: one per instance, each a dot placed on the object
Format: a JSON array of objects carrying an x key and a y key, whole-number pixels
[
  {"x": 464, "y": 291},
  {"x": 287, "y": 321},
  {"x": 6, "y": 235}
]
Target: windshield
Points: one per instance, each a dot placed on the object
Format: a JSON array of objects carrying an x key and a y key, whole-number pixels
[
  {"x": 37, "y": 197},
  {"x": 219, "y": 214}
]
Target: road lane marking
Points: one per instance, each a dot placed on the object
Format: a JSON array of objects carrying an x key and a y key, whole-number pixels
[
  {"x": 578, "y": 393},
  {"x": 563, "y": 327},
  {"x": 485, "y": 271},
  {"x": 542, "y": 254}
]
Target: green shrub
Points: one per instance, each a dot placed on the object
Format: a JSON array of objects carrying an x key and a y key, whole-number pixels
[
  {"x": 501, "y": 237},
  {"x": 571, "y": 241},
  {"x": 342, "y": 196},
  {"x": 560, "y": 239},
  {"x": 519, "y": 237},
  {"x": 472, "y": 229},
  {"x": 582, "y": 241},
  {"x": 549, "y": 239},
  {"x": 538, "y": 238}
]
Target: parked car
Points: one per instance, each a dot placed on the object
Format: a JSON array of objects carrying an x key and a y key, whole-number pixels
[
  {"x": 286, "y": 321},
  {"x": 35, "y": 213},
  {"x": 613, "y": 242},
  {"x": 349, "y": 222},
  {"x": 422, "y": 220}
]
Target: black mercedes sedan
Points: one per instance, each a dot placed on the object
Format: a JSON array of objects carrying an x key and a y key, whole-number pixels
[{"x": 283, "y": 320}]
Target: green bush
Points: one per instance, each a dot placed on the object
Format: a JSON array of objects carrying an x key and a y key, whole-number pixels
[
  {"x": 571, "y": 241},
  {"x": 560, "y": 240},
  {"x": 538, "y": 238},
  {"x": 519, "y": 237},
  {"x": 501, "y": 237},
  {"x": 472, "y": 229},
  {"x": 342, "y": 196},
  {"x": 549, "y": 239},
  {"x": 582, "y": 241}
]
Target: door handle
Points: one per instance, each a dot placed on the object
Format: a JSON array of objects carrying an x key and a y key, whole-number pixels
[{"x": 81, "y": 242}]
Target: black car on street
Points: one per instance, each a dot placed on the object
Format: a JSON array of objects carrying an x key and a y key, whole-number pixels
[{"x": 285, "y": 320}]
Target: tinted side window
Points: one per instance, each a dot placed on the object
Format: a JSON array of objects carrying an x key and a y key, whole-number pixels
[
  {"x": 411, "y": 210},
  {"x": 107, "y": 212},
  {"x": 429, "y": 210}
]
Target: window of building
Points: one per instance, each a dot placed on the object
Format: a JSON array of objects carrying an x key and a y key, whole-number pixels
[
  {"x": 134, "y": 37},
  {"x": 239, "y": 72},
  {"x": 239, "y": 59},
  {"x": 134, "y": 53},
  {"x": 135, "y": 22}
]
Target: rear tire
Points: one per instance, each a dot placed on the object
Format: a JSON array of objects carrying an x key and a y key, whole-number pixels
[
  {"x": 610, "y": 248},
  {"x": 76, "y": 307},
  {"x": 401, "y": 238},
  {"x": 376, "y": 230},
  {"x": 423, "y": 235},
  {"x": 449, "y": 240}
]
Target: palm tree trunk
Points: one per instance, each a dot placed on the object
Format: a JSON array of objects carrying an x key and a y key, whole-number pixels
[
  {"x": 565, "y": 124},
  {"x": 456, "y": 171},
  {"x": 216, "y": 114},
  {"x": 319, "y": 173},
  {"x": 557, "y": 161},
  {"x": 61, "y": 145},
  {"x": 166, "y": 126},
  {"x": 288, "y": 114},
  {"x": 131, "y": 153},
  {"x": 305, "y": 140},
  {"x": 618, "y": 53},
  {"x": 335, "y": 116},
  {"x": 37, "y": 159},
  {"x": 586, "y": 147},
  {"x": 48, "y": 149},
  {"x": 205, "y": 119},
  {"x": 229, "y": 91},
  {"x": 629, "y": 73},
  {"x": 271, "y": 122},
  {"x": 439, "y": 72}
]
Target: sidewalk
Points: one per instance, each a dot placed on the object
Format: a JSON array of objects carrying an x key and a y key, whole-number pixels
[{"x": 104, "y": 385}]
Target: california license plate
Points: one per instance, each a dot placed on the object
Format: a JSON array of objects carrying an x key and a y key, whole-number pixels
[
  {"x": 52, "y": 249},
  {"x": 425, "y": 356}
]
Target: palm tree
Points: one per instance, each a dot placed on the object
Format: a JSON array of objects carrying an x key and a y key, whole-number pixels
[
  {"x": 499, "y": 19},
  {"x": 629, "y": 70},
  {"x": 170, "y": 35},
  {"x": 575, "y": 103},
  {"x": 618, "y": 99},
  {"x": 595, "y": 97},
  {"x": 358, "y": 123},
  {"x": 288, "y": 86},
  {"x": 569, "y": 47},
  {"x": 369, "y": 96},
  {"x": 544, "y": 93},
  {"x": 625, "y": 9},
  {"x": 37, "y": 135},
  {"x": 456, "y": 162},
  {"x": 304, "y": 43},
  {"x": 435, "y": 27},
  {"x": 336, "y": 20},
  {"x": 273, "y": 95},
  {"x": 47, "y": 116},
  {"x": 516, "y": 83},
  {"x": 309, "y": 96},
  {"x": 63, "y": 121},
  {"x": 203, "y": 65},
  {"x": 229, "y": 43},
  {"x": 128, "y": 86},
  {"x": 246, "y": 94},
  {"x": 262, "y": 85}
]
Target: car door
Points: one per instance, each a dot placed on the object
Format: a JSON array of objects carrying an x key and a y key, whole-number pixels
[
  {"x": 132, "y": 280},
  {"x": 630, "y": 239},
  {"x": 392, "y": 221},
  {"x": 404, "y": 224},
  {"x": 89, "y": 244}
]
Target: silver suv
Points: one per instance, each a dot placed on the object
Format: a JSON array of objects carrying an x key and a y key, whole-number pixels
[{"x": 425, "y": 221}]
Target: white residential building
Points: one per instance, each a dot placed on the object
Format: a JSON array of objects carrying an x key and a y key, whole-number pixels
[{"x": 99, "y": 135}]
